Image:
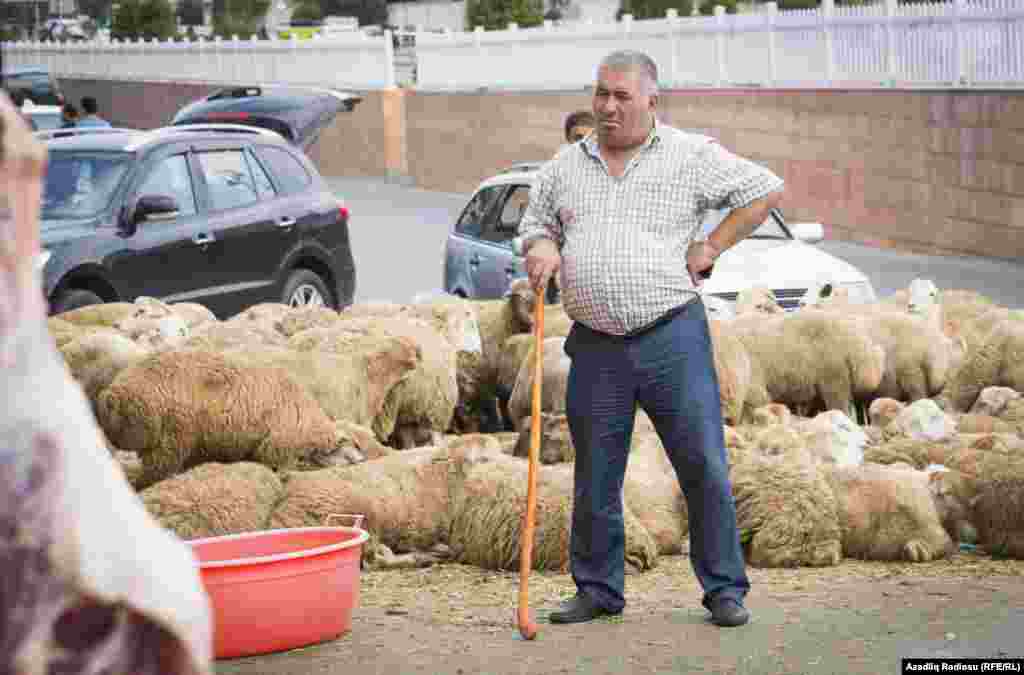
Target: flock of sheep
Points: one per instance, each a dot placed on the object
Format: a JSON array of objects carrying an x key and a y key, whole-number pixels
[{"x": 417, "y": 416}]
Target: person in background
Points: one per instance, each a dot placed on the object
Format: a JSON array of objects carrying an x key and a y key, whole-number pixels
[
  {"x": 91, "y": 117},
  {"x": 69, "y": 115},
  {"x": 579, "y": 125}
]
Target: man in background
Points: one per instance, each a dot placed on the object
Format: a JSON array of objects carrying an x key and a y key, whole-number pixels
[{"x": 91, "y": 117}]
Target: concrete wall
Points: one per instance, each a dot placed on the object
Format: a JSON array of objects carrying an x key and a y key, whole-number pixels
[{"x": 935, "y": 172}]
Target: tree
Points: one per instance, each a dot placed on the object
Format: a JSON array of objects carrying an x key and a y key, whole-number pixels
[
  {"x": 190, "y": 12},
  {"x": 146, "y": 19},
  {"x": 307, "y": 12},
  {"x": 238, "y": 17},
  {"x": 96, "y": 9},
  {"x": 653, "y": 9},
  {"x": 369, "y": 12},
  {"x": 498, "y": 14},
  {"x": 707, "y": 7}
]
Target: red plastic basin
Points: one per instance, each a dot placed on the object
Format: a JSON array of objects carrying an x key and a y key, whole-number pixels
[{"x": 280, "y": 589}]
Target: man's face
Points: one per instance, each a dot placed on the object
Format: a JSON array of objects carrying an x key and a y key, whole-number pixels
[
  {"x": 579, "y": 132},
  {"x": 624, "y": 107}
]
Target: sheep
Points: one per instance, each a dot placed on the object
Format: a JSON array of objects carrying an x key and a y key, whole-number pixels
[
  {"x": 997, "y": 510},
  {"x": 193, "y": 313},
  {"x": 741, "y": 384},
  {"x": 62, "y": 331},
  {"x": 104, "y": 315},
  {"x": 95, "y": 359},
  {"x": 810, "y": 360},
  {"x": 918, "y": 354},
  {"x": 771, "y": 414},
  {"x": 994, "y": 400},
  {"x": 302, "y": 318},
  {"x": 998, "y": 362},
  {"x": 555, "y": 372},
  {"x": 219, "y": 335},
  {"x": 405, "y": 497},
  {"x": 215, "y": 499},
  {"x": 652, "y": 491},
  {"x": 883, "y": 411},
  {"x": 785, "y": 510},
  {"x": 886, "y": 514},
  {"x": 422, "y": 405},
  {"x": 178, "y": 409},
  {"x": 487, "y": 514},
  {"x": 350, "y": 385},
  {"x": 456, "y": 319}
]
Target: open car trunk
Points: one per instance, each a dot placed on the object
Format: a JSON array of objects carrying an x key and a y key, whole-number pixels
[{"x": 299, "y": 114}]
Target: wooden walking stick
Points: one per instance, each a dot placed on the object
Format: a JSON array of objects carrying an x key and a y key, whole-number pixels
[{"x": 527, "y": 628}]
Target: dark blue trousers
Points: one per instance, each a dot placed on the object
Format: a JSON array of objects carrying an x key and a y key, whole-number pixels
[{"x": 669, "y": 372}]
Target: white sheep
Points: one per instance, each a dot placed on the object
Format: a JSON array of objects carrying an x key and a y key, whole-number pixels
[
  {"x": 998, "y": 362},
  {"x": 918, "y": 354},
  {"x": 811, "y": 360}
]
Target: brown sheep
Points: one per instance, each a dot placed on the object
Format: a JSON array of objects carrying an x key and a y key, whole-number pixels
[{"x": 180, "y": 409}]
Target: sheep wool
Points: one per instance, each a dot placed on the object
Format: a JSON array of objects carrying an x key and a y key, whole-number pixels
[
  {"x": 885, "y": 514},
  {"x": 96, "y": 358},
  {"x": 215, "y": 499},
  {"x": 423, "y": 403},
  {"x": 405, "y": 497},
  {"x": 182, "y": 408},
  {"x": 786, "y": 512},
  {"x": 350, "y": 385},
  {"x": 487, "y": 517},
  {"x": 555, "y": 364},
  {"x": 998, "y": 362}
]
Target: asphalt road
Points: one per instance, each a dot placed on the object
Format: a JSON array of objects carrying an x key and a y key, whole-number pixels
[{"x": 398, "y": 235}]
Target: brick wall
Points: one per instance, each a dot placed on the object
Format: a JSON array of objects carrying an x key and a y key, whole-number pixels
[{"x": 936, "y": 172}]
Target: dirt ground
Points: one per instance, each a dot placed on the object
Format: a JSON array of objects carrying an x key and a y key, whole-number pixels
[{"x": 855, "y": 618}]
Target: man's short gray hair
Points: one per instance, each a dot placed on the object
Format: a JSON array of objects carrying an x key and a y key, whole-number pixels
[{"x": 636, "y": 60}]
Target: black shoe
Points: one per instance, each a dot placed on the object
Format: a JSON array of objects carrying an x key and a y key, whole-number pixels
[
  {"x": 578, "y": 609},
  {"x": 728, "y": 612}
]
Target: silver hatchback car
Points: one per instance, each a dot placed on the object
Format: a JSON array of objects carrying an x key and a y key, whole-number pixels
[{"x": 480, "y": 261}]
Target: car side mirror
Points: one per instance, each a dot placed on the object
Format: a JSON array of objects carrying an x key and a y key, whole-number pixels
[
  {"x": 810, "y": 233},
  {"x": 155, "y": 207}
]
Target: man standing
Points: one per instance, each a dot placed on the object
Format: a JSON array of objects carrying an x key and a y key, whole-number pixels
[
  {"x": 616, "y": 216},
  {"x": 91, "y": 117}
]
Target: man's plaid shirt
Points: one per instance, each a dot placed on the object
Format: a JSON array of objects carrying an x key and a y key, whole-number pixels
[{"x": 624, "y": 240}]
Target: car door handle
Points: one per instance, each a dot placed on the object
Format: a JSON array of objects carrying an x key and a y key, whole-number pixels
[
  {"x": 202, "y": 239},
  {"x": 286, "y": 222},
  {"x": 474, "y": 260}
]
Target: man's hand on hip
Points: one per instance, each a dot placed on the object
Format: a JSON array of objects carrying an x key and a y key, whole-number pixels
[
  {"x": 542, "y": 263},
  {"x": 700, "y": 257}
]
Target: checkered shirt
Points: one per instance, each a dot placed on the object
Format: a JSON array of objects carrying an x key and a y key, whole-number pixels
[{"x": 624, "y": 240}]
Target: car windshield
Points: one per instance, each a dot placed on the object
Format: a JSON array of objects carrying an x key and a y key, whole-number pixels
[
  {"x": 769, "y": 229},
  {"x": 81, "y": 184},
  {"x": 45, "y": 121}
]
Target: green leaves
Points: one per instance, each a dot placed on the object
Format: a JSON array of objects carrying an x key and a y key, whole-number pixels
[
  {"x": 146, "y": 19},
  {"x": 497, "y": 14}
]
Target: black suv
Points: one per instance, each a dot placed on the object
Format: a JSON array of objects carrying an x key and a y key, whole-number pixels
[
  {"x": 223, "y": 215},
  {"x": 297, "y": 113}
]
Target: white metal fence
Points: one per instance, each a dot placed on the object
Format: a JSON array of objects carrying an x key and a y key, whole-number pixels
[
  {"x": 349, "y": 61},
  {"x": 956, "y": 43},
  {"x": 941, "y": 44}
]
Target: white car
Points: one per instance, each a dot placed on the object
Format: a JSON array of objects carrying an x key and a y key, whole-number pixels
[{"x": 480, "y": 261}]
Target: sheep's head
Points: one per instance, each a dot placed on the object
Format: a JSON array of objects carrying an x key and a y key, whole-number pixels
[
  {"x": 923, "y": 296},
  {"x": 824, "y": 294},
  {"x": 521, "y": 299}
]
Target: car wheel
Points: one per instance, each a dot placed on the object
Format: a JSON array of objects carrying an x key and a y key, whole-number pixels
[
  {"x": 73, "y": 299},
  {"x": 306, "y": 289}
]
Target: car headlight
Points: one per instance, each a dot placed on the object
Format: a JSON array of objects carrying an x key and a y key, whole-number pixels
[
  {"x": 43, "y": 258},
  {"x": 860, "y": 292}
]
